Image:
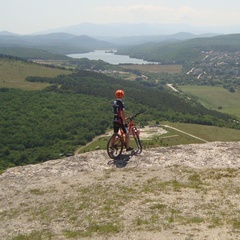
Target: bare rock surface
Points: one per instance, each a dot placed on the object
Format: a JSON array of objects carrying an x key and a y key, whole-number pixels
[{"x": 181, "y": 192}]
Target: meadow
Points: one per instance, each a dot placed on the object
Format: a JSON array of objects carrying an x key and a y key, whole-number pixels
[
  {"x": 13, "y": 74},
  {"x": 215, "y": 98},
  {"x": 155, "y": 68}
]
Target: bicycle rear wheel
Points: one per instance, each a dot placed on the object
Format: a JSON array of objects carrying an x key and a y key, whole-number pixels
[
  {"x": 115, "y": 146},
  {"x": 138, "y": 148}
]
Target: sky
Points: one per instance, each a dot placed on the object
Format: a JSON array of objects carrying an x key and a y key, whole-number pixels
[{"x": 31, "y": 16}]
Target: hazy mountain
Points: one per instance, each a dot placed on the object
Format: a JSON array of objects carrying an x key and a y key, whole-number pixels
[
  {"x": 115, "y": 30},
  {"x": 7, "y": 33},
  {"x": 66, "y": 43},
  {"x": 138, "y": 33},
  {"x": 135, "y": 40},
  {"x": 60, "y": 43}
]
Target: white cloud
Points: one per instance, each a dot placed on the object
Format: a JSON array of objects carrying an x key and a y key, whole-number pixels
[
  {"x": 163, "y": 14},
  {"x": 30, "y": 16}
]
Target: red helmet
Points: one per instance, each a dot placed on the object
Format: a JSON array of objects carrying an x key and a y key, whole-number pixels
[{"x": 119, "y": 93}]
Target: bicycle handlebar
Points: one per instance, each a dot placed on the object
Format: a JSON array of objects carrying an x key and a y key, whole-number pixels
[{"x": 132, "y": 117}]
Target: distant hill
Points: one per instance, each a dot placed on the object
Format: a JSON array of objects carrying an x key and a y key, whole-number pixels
[
  {"x": 138, "y": 29},
  {"x": 44, "y": 45},
  {"x": 57, "y": 43},
  {"x": 182, "y": 51},
  {"x": 175, "y": 48},
  {"x": 31, "y": 53},
  {"x": 7, "y": 33},
  {"x": 135, "y": 40},
  {"x": 136, "y": 33}
]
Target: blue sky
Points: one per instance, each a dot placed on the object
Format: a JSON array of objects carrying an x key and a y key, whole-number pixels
[{"x": 29, "y": 16}]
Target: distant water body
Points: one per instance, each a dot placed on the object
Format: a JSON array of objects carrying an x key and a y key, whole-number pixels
[{"x": 110, "y": 57}]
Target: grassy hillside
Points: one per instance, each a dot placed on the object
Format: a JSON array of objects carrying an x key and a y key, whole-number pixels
[
  {"x": 31, "y": 53},
  {"x": 184, "y": 51},
  {"x": 208, "y": 133},
  {"x": 216, "y": 98},
  {"x": 13, "y": 74}
]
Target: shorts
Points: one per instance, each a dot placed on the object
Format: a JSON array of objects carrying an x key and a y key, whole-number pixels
[{"x": 117, "y": 126}]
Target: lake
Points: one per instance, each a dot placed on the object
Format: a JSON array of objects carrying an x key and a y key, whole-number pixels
[{"x": 110, "y": 57}]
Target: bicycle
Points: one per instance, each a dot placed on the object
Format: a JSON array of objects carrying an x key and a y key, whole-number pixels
[{"x": 117, "y": 140}]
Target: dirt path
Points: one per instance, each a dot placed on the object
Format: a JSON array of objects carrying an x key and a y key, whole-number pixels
[
  {"x": 79, "y": 149},
  {"x": 94, "y": 139}
]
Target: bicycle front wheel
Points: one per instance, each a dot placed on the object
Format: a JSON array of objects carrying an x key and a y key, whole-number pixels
[
  {"x": 135, "y": 133},
  {"x": 115, "y": 146}
]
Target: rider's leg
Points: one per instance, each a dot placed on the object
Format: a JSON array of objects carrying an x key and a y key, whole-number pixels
[
  {"x": 115, "y": 127},
  {"x": 127, "y": 139}
]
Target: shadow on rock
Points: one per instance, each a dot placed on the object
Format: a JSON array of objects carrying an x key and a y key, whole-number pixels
[{"x": 121, "y": 161}]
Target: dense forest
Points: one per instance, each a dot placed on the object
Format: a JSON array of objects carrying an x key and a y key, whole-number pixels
[{"x": 40, "y": 125}]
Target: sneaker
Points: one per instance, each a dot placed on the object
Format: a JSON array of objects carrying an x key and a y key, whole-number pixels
[{"x": 129, "y": 149}]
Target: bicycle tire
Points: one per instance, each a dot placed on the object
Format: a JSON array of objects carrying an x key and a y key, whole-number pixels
[
  {"x": 137, "y": 140},
  {"x": 115, "y": 146}
]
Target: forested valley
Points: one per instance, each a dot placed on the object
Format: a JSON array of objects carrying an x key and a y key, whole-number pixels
[{"x": 37, "y": 126}]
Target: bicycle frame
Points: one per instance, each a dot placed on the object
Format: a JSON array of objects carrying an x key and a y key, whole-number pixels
[{"x": 131, "y": 129}]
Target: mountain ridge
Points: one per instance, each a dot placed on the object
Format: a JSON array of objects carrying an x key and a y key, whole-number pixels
[
  {"x": 67, "y": 43},
  {"x": 126, "y": 29},
  {"x": 60, "y": 43}
]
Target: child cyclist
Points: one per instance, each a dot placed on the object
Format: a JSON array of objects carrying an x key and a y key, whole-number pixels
[{"x": 119, "y": 120}]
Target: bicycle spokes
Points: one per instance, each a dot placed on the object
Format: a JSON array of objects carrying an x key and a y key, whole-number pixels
[{"x": 115, "y": 146}]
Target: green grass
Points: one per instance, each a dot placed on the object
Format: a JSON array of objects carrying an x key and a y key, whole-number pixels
[
  {"x": 100, "y": 229},
  {"x": 35, "y": 235},
  {"x": 216, "y": 98},
  {"x": 13, "y": 74},
  {"x": 208, "y": 133}
]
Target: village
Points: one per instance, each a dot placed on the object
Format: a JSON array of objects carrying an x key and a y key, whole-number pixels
[{"x": 216, "y": 64}]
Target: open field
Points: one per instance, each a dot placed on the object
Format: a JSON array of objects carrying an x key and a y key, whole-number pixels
[
  {"x": 216, "y": 98},
  {"x": 208, "y": 133},
  {"x": 13, "y": 74},
  {"x": 156, "y": 68},
  {"x": 171, "y": 134}
]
